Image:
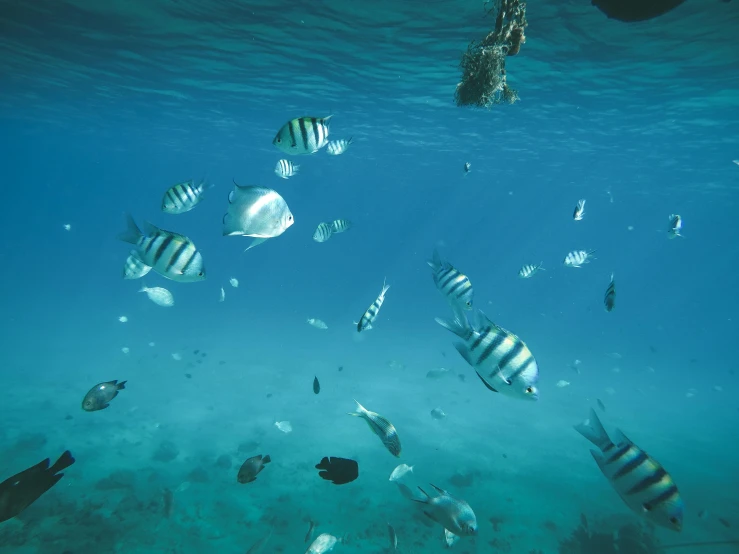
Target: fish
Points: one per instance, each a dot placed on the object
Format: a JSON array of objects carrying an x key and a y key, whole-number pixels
[
  {"x": 454, "y": 285},
  {"x": 368, "y": 318},
  {"x": 284, "y": 426},
  {"x": 159, "y": 295},
  {"x": 340, "y": 225},
  {"x": 171, "y": 255},
  {"x": 339, "y": 471},
  {"x": 234, "y": 282},
  {"x": 675, "y": 226},
  {"x": 311, "y": 529},
  {"x": 184, "y": 196},
  {"x": 316, "y": 386},
  {"x": 286, "y": 169},
  {"x": 600, "y": 404},
  {"x": 438, "y": 413},
  {"x": 251, "y": 468},
  {"x": 123, "y": 319},
  {"x": 579, "y": 212},
  {"x": 67, "y": 227},
  {"x": 134, "y": 268},
  {"x": 393, "y": 537},
  {"x": 322, "y": 544},
  {"x": 400, "y": 471},
  {"x": 222, "y": 298},
  {"x": 467, "y": 167},
  {"x": 609, "y": 300},
  {"x": 406, "y": 491},
  {"x": 125, "y": 350},
  {"x": 338, "y": 147},
  {"x": 562, "y": 384},
  {"x": 380, "y": 427},
  {"x": 256, "y": 212},
  {"x": 630, "y": 11},
  {"x": 303, "y": 135},
  {"x": 450, "y": 538},
  {"x": 641, "y": 482},
  {"x": 449, "y": 512},
  {"x": 259, "y": 545},
  {"x": 323, "y": 232},
  {"x": 503, "y": 358},
  {"x": 317, "y": 323},
  {"x": 21, "y": 490},
  {"x": 577, "y": 258},
  {"x": 437, "y": 373},
  {"x": 99, "y": 396},
  {"x": 529, "y": 270}
]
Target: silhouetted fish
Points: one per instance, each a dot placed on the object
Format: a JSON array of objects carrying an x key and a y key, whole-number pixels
[
  {"x": 635, "y": 10},
  {"x": 251, "y": 468},
  {"x": 99, "y": 396},
  {"x": 316, "y": 385},
  {"x": 338, "y": 470}
]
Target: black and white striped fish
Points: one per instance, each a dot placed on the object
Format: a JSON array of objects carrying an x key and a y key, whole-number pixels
[
  {"x": 338, "y": 147},
  {"x": 675, "y": 226},
  {"x": 286, "y": 169},
  {"x": 172, "y": 255},
  {"x": 340, "y": 225},
  {"x": 641, "y": 482},
  {"x": 368, "y": 318},
  {"x": 323, "y": 232},
  {"x": 609, "y": 300},
  {"x": 579, "y": 212},
  {"x": 380, "y": 427},
  {"x": 303, "y": 135},
  {"x": 529, "y": 269},
  {"x": 134, "y": 267},
  {"x": 577, "y": 258},
  {"x": 183, "y": 197},
  {"x": 453, "y": 284},
  {"x": 501, "y": 360}
]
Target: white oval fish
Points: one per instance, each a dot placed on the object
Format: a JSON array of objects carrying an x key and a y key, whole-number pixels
[
  {"x": 160, "y": 296},
  {"x": 284, "y": 426},
  {"x": 400, "y": 471},
  {"x": 317, "y": 323},
  {"x": 234, "y": 282},
  {"x": 322, "y": 544},
  {"x": 256, "y": 212}
]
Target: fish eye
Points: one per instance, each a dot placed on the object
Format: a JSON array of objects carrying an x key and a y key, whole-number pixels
[
  {"x": 278, "y": 140},
  {"x": 647, "y": 508},
  {"x": 529, "y": 390},
  {"x": 673, "y": 520}
]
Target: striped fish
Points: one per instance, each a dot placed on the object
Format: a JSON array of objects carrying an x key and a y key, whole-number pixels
[
  {"x": 529, "y": 269},
  {"x": 675, "y": 226},
  {"x": 579, "y": 212},
  {"x": 641, "y": 482},
  {"x": 380, "y": 427},
  {"x": 610, "y": 298},
  {"x": 323, "y": 232},
  {"x": 368, "y": 318},
  {"x": 134, "y": 267},
  {"x": 286, "y": 169},
  {"x": 303, "y": 135},
  {"x": 501, "y": 360},
  {"x": 183, "y": 197},
  {"x": 172, "y": 255},
  {"x": 577, "y": 258},
  {"x": 340, "y": 225},
  {"x": 338, "y": 147},
  {"x": 454, "y": 285}
]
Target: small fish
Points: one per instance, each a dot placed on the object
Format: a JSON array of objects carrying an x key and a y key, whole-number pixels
[
  {"x": 609, "y": 300},
  {"x": 234, "y": 282},
  {"x": 316, "y": 386},
  {"x": 338, "y": 147},
  {"x": 393, "y": 537},
  {"x": 176, "y": 356},
  {"x": 256, "y": 212},
  {"x": 438, "y": 413},
  {"x": 579, "y": 210},
  {"x": 562, "y": 383},
  {"x": 641, "y": 482},
  {"x": 183, "y": 197},
  {"x": 258, "y": 546},
  {"x": 134, "y": 268},
  {"x": 736, "y": 162},
  {"x": 286, "y": 169},
  {"x": 317, "y": 323},
  {"x": 340, "y": 225},
  {"x": 529, "y": 270},
  {"x": 675, "y": 226},
  {"x": 600, "y": 404},
  {"x": 406, "y": 491},
  {"x": 454, "y": 285},
  {"x": 311, "y": 529},
  {"x": 303, "y": 135},
  {"x": 437, "y": 373},
  {"x": 724, "y": 522},
  {"x": 450, "y": 538},
  {"x": 323, "y": 543},
  {"x": 125, "y": 349},
  {"x": 577, "y": 258},
  {"x": 449, "y": 512},
  {"x": 614, "y": 355},
  {"x": 339, "y": 471},
  {"x": 323, "y": 232},
  {"x": 400, "y": 471},
  {"x": 575, "y": 366},
  {"x": 160, "y": 296},
  {"x": 368, "y": 318},
  {"x": 467, "y": 167},
  {"x": 251, "y": 468},
  {"x": 99, "y": 396},
  {"x": 284, "y": 426},
  {"x": 380, "y": 427},
  {"x": 67, "y": 227},
  {"x": 222, "y": 298},
  {"x": 123, "y": 319}
]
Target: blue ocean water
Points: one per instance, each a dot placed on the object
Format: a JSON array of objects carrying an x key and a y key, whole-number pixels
[{"x": 103, "y": 106}]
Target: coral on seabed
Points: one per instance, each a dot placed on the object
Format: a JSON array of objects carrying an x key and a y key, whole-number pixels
[{"x": 609, "y": 537}]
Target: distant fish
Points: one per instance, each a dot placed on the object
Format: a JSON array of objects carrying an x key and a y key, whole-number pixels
[
  {"x": 467, "y": 167},
  {"x": 256, "y": 212},
  {"x": 251, "y": 468},
  {"x": 437, "y": 373},
  {"x": 614, "y": 355},
  {"x": 134, "y": 268},
  {"x": 234, "y": 282},
  {"x": 639, "y": 479},
  {"x": 577, "y": 258},
  {"x": 183, "y": 197},
  {"x": 339, "y": 471},
  {"x": 311, "y": 529},
  {"x": 400, "y": 471},
  {"x": 579, "y": 212},
  {"x": 529, "y": 270},
  {"x": 368, "y": 318},
  {"x": 123, "y": 319},
  {"x": 125, "y": 349},
  {"x": 609, "y": 300},
  {"x": 316, "y": 386},
  {"x": 675, "y": 226},
  {"x": 562, "y": 384},
  {"x": 99, "y": 396},
  {"x": 449, "y": 512},
  {"x": 380, "y": 427},
  {"x": 286, "y": 169},
  {"x": 303, "y": 135},
  {"x": 575, "y": 366},
  {"x": 284, "y": 426},
  {"x": 393, "y": 537},
  {"x": 67, "y": 227},
  {"x": 338, "y": 147},
  {"x": 438, "y": 413},
  {"x": 323, "y": 543},
  {"x": 159, "y": 295},
  {"x": 323, "y": 232},
  {"x": 223, "y": 295},
  {"x": 450, "y": 538},
  {"x": 340, "y": 225},
  {"x": 317, "y": 323},
  {"x": 454, "y": 285},
  {"x": 406, "y": 491}
]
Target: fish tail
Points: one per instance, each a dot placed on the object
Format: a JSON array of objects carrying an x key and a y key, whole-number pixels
[
  {"x": 132, "y": 234},
  {"x": 594, "y": 431},
  {"x": 360, "y": 411},
  {"x": 64, "y": 461},
  {"x": 435, "y": 262},
  {"x": 121, "y": 385},
  {"x": 541, "y": 266},
  {"x": 266, "y": 459},
  {"x": 460, "y": 326},
  {"x": 143, "y": 287},
  {"x": 385, "y": 288}
]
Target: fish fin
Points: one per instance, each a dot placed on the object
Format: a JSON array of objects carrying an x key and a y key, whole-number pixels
[
  {"x": 132, "y": 234},
  {"x": 266, "y": 459},
  {"x": 440, "y": 490},
  {"x": 621, "y": 438},
  {"x": 143, "y": 288},
  {"x": 360, "y": 409},
  {"x": 385, "y": 287},
  {"x": 484, "y": 382},
  {"x": 458, "y": 326},
  {"x": 255, "y": 242},
  {"x": 425, "y": 498},
  {"x": 64, "y": 461},
  {"x": 435, "y": 262},
  {"x": 593, "y": 430},
  {"x": 150, "y": 229},
  {"x": 121, "y": 385}
]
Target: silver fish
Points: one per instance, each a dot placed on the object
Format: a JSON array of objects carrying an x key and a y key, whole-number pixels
[
  {"x": 183, "y": 197},
  {"x": 368, "y": 318},
  {"x": 529, "y": 270},
  {"x": 450, "y": 538},
  {"x": 438, "y": 413},
  {"x": 449, "y": 512},
  {"x": 338, "y": 147},
  {"x": 675, "y": 226},
  {"x": 311, "y": 529},
  {"x": 286, "y": 169},
  {"x": 453, "y": 284},
  {"x": 317, "y": 323},
  {"x": 501, "y": 360},
  {"x": 610, "y": 298},
  {"x": 579, "y": 212},
  {"x": 577, "y": 258},
  {"x": 380, "y": 427},
  {"x": 323, "y": 232},
  {"x": 340, "y": 225},
  {"x": 400, "y": 471},
  {"x": 393, "y": 537},
  {"x": 134, "y": 267},
  {"x": 323, "y": 543},
  {"x": 303, "y": 135},
  {"x": 158, "y": 295},
  {"x": 99, "y": 396},
  {"x": 171, "y": 255},
  {"x": 256, "y": 212},
  {"x": 467, "y": 167},
  {"x": 251, "y": 468},
  {"x": 641, "y": 482}
]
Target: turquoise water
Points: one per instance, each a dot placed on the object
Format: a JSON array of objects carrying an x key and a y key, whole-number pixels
[{"x": 104, "y": 106}]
